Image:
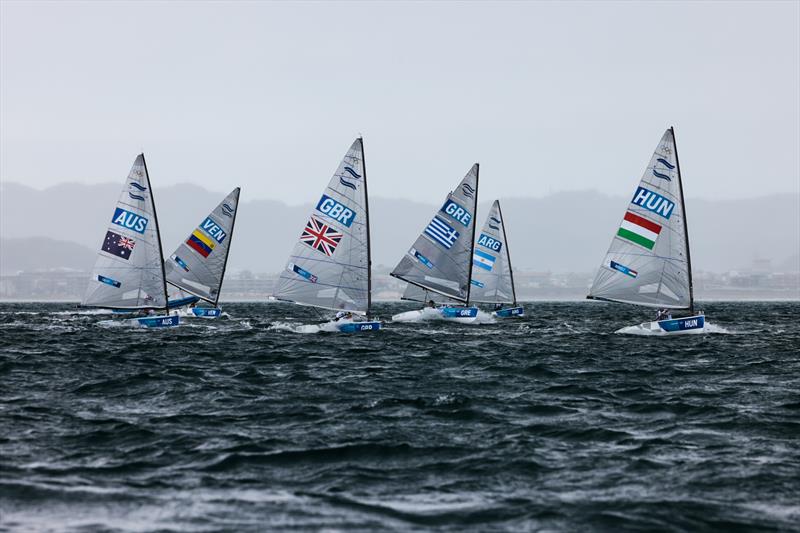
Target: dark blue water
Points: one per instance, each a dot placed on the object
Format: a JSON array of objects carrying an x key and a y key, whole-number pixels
[{"x": 548, "y": 423}]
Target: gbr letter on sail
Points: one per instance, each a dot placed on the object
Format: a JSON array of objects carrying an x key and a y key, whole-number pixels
[
  {"x": 329, "y": 266},
  {"x": 648, "y": 260}
]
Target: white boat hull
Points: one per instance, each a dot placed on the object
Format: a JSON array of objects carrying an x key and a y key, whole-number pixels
[
  {"x": 690, "y": 325},
  {"x": 440, "y": 313}
]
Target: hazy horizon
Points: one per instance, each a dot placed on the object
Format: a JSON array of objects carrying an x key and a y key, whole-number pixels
[{"x": 548, "y": 97}]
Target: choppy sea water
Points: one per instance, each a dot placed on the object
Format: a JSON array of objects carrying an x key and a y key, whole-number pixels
[{"x": 552, "y": 422}]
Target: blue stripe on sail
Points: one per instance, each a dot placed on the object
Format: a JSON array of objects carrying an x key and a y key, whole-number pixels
[
  {"x": 658, "y": 174},
  {"x": 136, "y": 196},
  {"x": 352, "y": 172},
  {"x": 347, "y": 183},
  {"x": 666, "y": 163},
  {"x": 137, "y": 186}
]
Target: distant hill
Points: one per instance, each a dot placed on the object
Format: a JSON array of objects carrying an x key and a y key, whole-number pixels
[
  {"x": 42, "y": 253},
  {"x": 564, "y": 232}
]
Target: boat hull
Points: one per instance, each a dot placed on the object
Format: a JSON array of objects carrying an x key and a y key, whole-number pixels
[
  {"x": 205, "y": 312},
  {"x": 462, "y": 315},
  {"x": 358, "y": 327},
  {"x": 511, "y": 312},
  {"x": 687, "y": 325},
  {"x": 164, "y": 321}
]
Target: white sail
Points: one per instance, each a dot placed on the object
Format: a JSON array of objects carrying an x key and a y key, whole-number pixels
[
  {"x": 329, "y": 266},
  {"x": 648, "y": 261},
  {"x": 492, "y": 280},
  {"x": 441, "y": 258},
  {"x": 129, "y": 272},
  {"x": 198, "y": 265}
]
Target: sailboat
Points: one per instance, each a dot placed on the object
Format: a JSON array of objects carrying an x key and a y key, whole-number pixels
[
  {"x": 649, "y": 263},
  {"x": 197, "y": 267},
  {"x": 492, "y": 278},
  {"x": 129, "y": 271},
  {"x": 330, "y": 266},
  {"x": 438, "y": 266}
]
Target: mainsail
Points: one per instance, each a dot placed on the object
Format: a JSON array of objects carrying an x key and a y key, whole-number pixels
[
  {"x": 648, "y": 262},
  {"x": 441, "y": 258},
  {"x": 329, "y": 266},
  {"x": 198, "y": 265},
  {"x": 129, "y": 271},
  {"x": 492, "y": 280}
]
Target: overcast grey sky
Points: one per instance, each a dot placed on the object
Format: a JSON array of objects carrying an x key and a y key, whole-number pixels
[{"x": 547, "y": 96}]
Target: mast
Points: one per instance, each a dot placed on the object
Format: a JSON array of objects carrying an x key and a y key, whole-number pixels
[
  {"x": 228, "y": 251},
  {"x": 366, "y": 213},
  {"x": 508, "y": 255},
  {"x": 158, "y": 237},
  {"x": 474, "y": 224},
  {"x": 685, "y": 225}
]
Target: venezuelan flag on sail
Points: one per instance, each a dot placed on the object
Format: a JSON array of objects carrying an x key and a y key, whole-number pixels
[{"x": 200, "y": 243}]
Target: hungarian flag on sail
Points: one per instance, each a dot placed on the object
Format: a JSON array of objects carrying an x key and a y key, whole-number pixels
[{"x": 639, "y": 230}]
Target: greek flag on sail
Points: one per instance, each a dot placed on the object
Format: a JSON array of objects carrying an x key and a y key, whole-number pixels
[{"x": 441, "y": 232}]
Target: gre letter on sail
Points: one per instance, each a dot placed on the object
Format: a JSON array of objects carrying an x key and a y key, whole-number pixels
[
  {"x": 440, "y": 260},
  {"x": 129, "y": 271}
]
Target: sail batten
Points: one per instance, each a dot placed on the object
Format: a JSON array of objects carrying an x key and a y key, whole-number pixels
[
  {"x": 440, "y": 260},
  {"x": 647, "y": 263},
  {"x": 329, "y": 266},
  {"x": 198, "y": 264},
  {"x": 129, "y": 270}
]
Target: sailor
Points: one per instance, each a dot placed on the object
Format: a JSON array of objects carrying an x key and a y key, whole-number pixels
[
  {"x": 431, "y": 304},
  {"x": 498, "y": 306},
  {"x": 663, "y": 314},
  {"x": 343, "y": 315}
]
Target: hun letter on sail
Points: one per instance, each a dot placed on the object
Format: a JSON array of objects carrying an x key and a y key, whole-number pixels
[{"x": 648, "y": 261}]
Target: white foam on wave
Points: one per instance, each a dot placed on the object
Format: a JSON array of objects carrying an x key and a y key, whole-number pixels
[
  {"x": 327, "y": 327},
  {"x": 84, "y": 312}
]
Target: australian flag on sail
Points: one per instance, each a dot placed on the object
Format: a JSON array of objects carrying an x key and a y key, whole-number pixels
[
  {"x": 441, "y": 232},
  {"x": 118, "y": 245},
  {"x": 321, "y": 236}
]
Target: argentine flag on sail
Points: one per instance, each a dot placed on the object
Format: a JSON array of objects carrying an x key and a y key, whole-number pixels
[{"x": 483, "y": 260}]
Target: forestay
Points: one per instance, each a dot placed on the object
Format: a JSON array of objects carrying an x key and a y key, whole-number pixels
[
  {"x": 329, "y": 266},
  {"x": 129, "y": 271},
  {"x": 492, "y": 280},
  {"x": 648, "y": 263},
  {"x": 441, "y": 258},
  {"x": 198, "y": 265}
]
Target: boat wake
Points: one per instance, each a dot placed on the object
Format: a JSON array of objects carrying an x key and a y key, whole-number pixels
[{"x": 326, "y": 327}]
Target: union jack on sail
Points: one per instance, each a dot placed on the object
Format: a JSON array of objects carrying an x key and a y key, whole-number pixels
[{"x": 321, "y": 236}]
